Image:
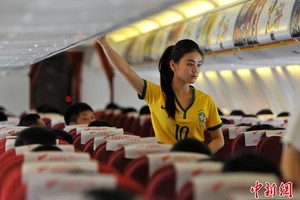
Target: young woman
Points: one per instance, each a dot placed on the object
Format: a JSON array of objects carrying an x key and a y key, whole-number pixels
[{"x": 178, "y": 110}]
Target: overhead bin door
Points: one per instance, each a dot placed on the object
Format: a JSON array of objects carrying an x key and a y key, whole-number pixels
[
  {"x": 273, "y": 25},
  {"x": 206, "y": 31},
  {"x": 189, "y": 29},
  {"x": 160, "y": 42},
  {"x": 295, "y": 20},
  {"x": 223, "y": 28},
  {"x": 247, "y": 21}
]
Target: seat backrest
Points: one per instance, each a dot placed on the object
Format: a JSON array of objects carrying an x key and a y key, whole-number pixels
[
  {"x": 186, "y": 193},
  {"x": 47, "y": 122},
  {"x": 141, "y": 169},
  {"x": 270, "y": 148},
  {"x": 207, "y": 137},
  {"x": 11, "y": 164},
  {"x": 225, "y": 151},
  {"x": 246, "y": 141},
  {"x": 120, "y": 121},
  {"x": 40, "y": 185},
  {"x": 168, "y": 180},
  {"x": 118, "y": 161},
  {"x": 163, "y": 183},
  {"x": 138, "y": 170},
  {"x": 60, "y": 125},
  {"x": 147, "y": 128},
  {"x": 2, "y": 145},
  {"x": 101, "y": 154},
  {"x": 136, "y": 127},
  {"x": 238, "y": 145},
  {"x": 219, "y": 186},
  {"x": 128, "y": 123},
  {"x": 89, "y": 146},
  {"x": 57, "y": 162},
  {"x": 77, "y": 142},
  {"x": 121, "y": 158},
  {"x": 73, "y": 132}
]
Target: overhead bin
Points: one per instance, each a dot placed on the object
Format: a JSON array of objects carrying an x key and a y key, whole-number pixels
[
  {"x": 160, "y": 42},
  {"x": 223, "y": 28},
  {"x": 135, "y": 53},
  {"x": 257, "y": 31}
]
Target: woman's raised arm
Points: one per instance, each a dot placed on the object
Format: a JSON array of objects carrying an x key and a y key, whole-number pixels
[{"x": 120, "y": 63}]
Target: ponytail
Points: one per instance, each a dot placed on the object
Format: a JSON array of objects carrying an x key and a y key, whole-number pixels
[{"x": 166, "y": 76}]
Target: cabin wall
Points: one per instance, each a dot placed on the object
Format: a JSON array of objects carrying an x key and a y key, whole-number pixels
[
  {"x": 14, "y": 91},
  {"x": 251, "y": 90},
  {"x": 94, "y": 85}
]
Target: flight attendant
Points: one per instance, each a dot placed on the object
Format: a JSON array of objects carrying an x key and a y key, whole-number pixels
[{"x": 178, "y": 110}]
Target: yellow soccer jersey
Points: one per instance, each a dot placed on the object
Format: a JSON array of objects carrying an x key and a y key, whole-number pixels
[{"x": 191, "y": 122}]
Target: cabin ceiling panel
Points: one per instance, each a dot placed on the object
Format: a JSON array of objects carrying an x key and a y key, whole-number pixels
[{"x": 32, "y": 30}]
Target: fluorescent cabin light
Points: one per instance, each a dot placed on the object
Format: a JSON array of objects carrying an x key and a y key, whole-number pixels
[
  {"x": 192, "y": 8},
  {"x": 146, "y": 25}
]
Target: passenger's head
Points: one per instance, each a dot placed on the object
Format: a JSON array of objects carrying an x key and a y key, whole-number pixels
[
  {"x": 260, "y": 127},
  {"x": 31, "y": 120},
  {"x": 35, "y": 135},
  {"x": 237, "y": 112},
  {"x": 46, "y": 147},
  {"x": 63, "y": 135},
  {"x": 128, "y": 110},
  {"x": 264, "y": 112},
  {"x": 108, "y": 194},
  {"x": 225, "y": 121},
  {"x": 79, "y": 113},
  {"x": 47, "y": 109},
  {"x": 174, "y": 56},
  {"x": 145, "y": 110},
  {"x": 3, "y": 116},
  {"x": 220, "y": 112},
  {"x": 283, "y": 114},
  {"x": 191, "y": 145},
  {"x": 112, "y": 106},
  {"x": 249, "y": 162},
  {"x": 100, "y": 123}
]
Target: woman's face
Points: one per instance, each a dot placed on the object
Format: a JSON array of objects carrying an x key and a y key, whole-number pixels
[{"x": 188, "y": 67}]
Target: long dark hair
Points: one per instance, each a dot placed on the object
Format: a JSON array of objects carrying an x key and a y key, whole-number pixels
[{"x": 174, "y": 53}]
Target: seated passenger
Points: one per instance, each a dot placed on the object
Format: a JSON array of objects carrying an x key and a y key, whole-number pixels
[
  {"x": 249, "y": 162},
  {"x": 108, "y": 194},
  {"x": 32, "y": 120},
  {"x": 237, "y": 112},
  {"x": 79, "y": 113},
  {"x": 63, "y": 135},
  {"x": 260, "y": 127},
  {"x": 35, "y": 135},
  {"x": 145, "y": 110},
  {"x": 46, "y": 147},
  {"x": 100, "y": 123},
  {"x": 283, "y": 114},
  {"x": 191, "y": 145},
  {"x": 48, "y": 109},
  {"x": 3, "y": 116},
  {"x": 264, "y": 112}
]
